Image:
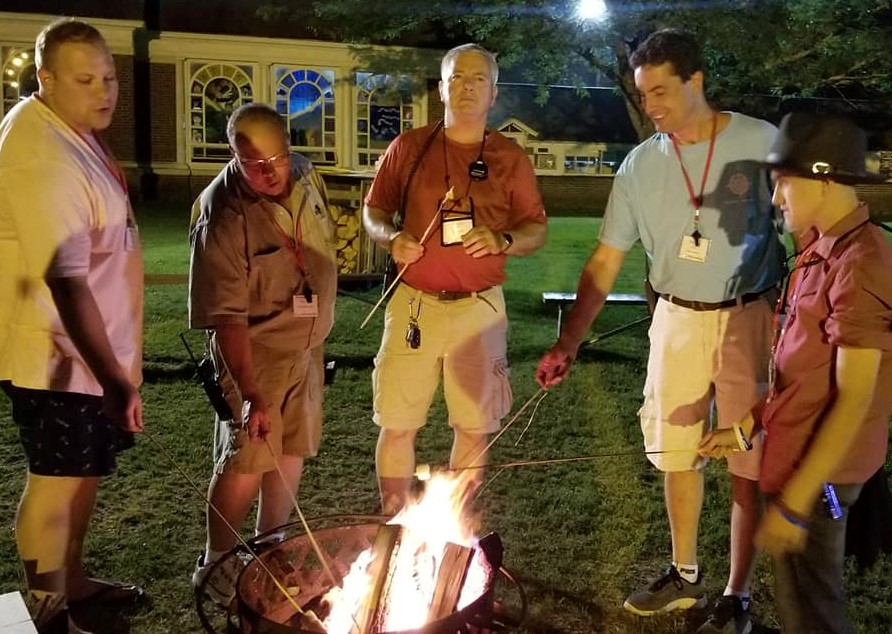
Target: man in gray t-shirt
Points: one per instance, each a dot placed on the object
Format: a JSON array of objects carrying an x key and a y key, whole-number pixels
[{"x": 696, "y": 199}]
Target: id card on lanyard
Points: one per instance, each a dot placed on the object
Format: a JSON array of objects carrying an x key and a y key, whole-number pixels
[
  {"x": 694, "y": 247},
  {"x": 101, "y": 152},
  {"x": 304, "y": 303}
]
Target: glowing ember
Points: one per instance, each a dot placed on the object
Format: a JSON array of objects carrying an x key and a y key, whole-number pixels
[{"x": 428, "y": 526}]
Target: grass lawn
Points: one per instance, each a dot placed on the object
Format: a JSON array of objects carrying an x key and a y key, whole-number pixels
[{"x": 580, "y": 536}]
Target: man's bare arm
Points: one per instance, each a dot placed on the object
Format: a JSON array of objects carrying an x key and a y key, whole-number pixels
[{"x": 84, "y": 324}]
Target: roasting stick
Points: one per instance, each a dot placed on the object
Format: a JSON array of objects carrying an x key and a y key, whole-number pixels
[
  {"x": 300, "y": 514},
  {"x": 306, "y": 526},
  {"x": 309, "y": 614},
  {"x": 542, "y": 393},
  {"x": 449, "y": 197}
]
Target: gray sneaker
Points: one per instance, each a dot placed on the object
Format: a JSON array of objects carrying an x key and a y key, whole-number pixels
[
  {"x": 669, "y": 592},
  {"x": 217, "y": 579},
  {"x": 727, "y": 617}
]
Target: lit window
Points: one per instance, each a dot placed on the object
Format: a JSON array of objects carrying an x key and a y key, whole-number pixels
[
  {"x": 19, "y": 77},
  {"x": 383, "y": 110},
  {"x": 215, "y": 91},
  {"x": 305, "y": 99}
]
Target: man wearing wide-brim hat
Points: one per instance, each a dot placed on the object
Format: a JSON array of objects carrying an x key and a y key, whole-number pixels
[{"x": 827, "y": 408}]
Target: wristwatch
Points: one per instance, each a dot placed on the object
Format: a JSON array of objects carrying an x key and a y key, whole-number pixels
[{"x": 509, "y": 240}]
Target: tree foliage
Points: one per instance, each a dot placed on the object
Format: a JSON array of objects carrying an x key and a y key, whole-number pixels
[{"x": 756, "y": 50}]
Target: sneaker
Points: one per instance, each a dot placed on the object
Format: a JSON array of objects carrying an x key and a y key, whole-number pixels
[
  {"x": 217, "y": 580},
  {"x": 669, "y": 592},
  {"x": 727, "y": 617}
]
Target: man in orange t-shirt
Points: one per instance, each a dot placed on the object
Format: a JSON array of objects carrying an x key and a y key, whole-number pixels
[{"x": 468, "y": 199}]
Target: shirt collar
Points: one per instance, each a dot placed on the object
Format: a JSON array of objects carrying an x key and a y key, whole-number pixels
[
  {"x": 236, "y": 180},
  {"x": 824, "y": 245}
]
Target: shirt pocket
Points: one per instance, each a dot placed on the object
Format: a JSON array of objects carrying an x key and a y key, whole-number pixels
[{"x": 273, "y": 279}]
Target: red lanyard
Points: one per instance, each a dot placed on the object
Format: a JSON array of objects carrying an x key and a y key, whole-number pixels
[
  {"x": 292, "y": 243},
  {"x": 790, "y": 287},
  {"x": 104, "y": 157},
  {"x": 697, "y": 201}
]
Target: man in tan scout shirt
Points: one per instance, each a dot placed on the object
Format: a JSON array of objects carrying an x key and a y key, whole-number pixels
[{"x": 262, "y": 281}]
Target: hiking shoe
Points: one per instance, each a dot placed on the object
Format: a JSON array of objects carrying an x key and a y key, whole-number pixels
[
  {"x": 669, "y": 592},
  {"x": 727, "y": 617},
  {"x": 217, "y": 579}
]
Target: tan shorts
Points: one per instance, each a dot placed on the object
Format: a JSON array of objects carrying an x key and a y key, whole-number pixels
[
  {"x": 291, "y": 383},
  {"x": 700, "y": 360},
  {"x": 465, "y": 340}
]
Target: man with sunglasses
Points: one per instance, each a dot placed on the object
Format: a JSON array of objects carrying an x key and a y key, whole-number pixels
[
  {"x": 262, "y": 282},
  {"x": 468, "y": 199}
]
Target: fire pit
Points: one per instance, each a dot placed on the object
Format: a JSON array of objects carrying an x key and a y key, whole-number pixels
[{"x": 463, "y": 598}]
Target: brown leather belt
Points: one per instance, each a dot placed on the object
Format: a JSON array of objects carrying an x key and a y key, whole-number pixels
[
  {"x": 453, "y": 296},
  {"x": 743, "y": 300}
]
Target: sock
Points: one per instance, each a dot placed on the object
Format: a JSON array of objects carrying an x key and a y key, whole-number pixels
[
  {"x": 210, "y": 556},
  {"x": 688, "y": 572},
  {"x": 743, "y": 595}
]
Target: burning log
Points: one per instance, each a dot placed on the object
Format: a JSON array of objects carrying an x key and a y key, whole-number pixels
[
  {"x": 378, "y": 573},
  {"x": 424, "y": 571},
  {"x": 450, "y": 580}
]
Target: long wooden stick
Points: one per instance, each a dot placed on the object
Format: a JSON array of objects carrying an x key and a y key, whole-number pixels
[{"x": 450, "y": 196}]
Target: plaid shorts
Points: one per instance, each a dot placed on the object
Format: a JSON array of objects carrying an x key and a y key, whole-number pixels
[{"x": 66, "y": 434}]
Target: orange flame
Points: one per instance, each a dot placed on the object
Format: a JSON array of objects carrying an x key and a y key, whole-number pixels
[{"x": 428, "y": 525}]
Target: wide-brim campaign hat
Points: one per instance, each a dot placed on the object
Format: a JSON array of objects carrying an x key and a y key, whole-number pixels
[{"x": 823, "y": 147}]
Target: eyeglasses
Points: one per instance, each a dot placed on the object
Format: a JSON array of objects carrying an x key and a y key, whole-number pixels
[{"x": 259, "y": 165}]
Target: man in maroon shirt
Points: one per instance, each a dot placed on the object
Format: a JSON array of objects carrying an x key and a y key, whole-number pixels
[{"x": 827, "y": 409}]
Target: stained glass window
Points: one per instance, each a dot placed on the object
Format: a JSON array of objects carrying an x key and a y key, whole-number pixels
[
  {"x": 383, "y": 110},
  {"x": 305, "y": 99},
  {"x": 216, "y": 90}
]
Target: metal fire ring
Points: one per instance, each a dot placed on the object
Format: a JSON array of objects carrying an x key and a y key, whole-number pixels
[{"x": 217, "y": 619}]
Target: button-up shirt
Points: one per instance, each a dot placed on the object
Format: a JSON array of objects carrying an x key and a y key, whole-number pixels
[{"x": 840, "y": 296}]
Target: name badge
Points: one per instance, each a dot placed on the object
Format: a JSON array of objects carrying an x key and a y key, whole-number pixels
[
  {"x": 455, "y": 220},
  {"x": 304, "y": 307},
  {"x": 692, "y": 251}
]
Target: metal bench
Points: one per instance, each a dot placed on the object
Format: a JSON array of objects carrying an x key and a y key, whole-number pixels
[{"x": 562, "y": 299}]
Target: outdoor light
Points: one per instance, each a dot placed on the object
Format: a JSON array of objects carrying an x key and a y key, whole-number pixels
[{"x": 591, "y": 9}]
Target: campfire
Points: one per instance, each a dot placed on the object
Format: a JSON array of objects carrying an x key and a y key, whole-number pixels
[{"x": 421, "y": 571}]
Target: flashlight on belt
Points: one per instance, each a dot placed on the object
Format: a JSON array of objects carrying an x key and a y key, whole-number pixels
[{"x": 831, "y": 502}]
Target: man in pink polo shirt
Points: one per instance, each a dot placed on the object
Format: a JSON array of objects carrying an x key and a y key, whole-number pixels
[
  {"x": 70, "y": 313},
  {"x": 826, "y": 414}
]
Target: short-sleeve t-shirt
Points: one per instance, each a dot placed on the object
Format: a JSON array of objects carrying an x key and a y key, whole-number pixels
[
  {"x": 251, "y": 257},
  {"x": 64, "y": 212},
  {"x": 508, "y": 197},
  {"x": 651, "y": 202},
  {"x": 840, "y": 296}
]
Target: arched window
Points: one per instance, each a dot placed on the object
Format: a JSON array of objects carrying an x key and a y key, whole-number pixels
[
  {"x": 215, "y": 91},
  {"x": 305, "y": 99},
  {"x": 383, "y": 110},
  {"x": 19, "y": 76}
]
